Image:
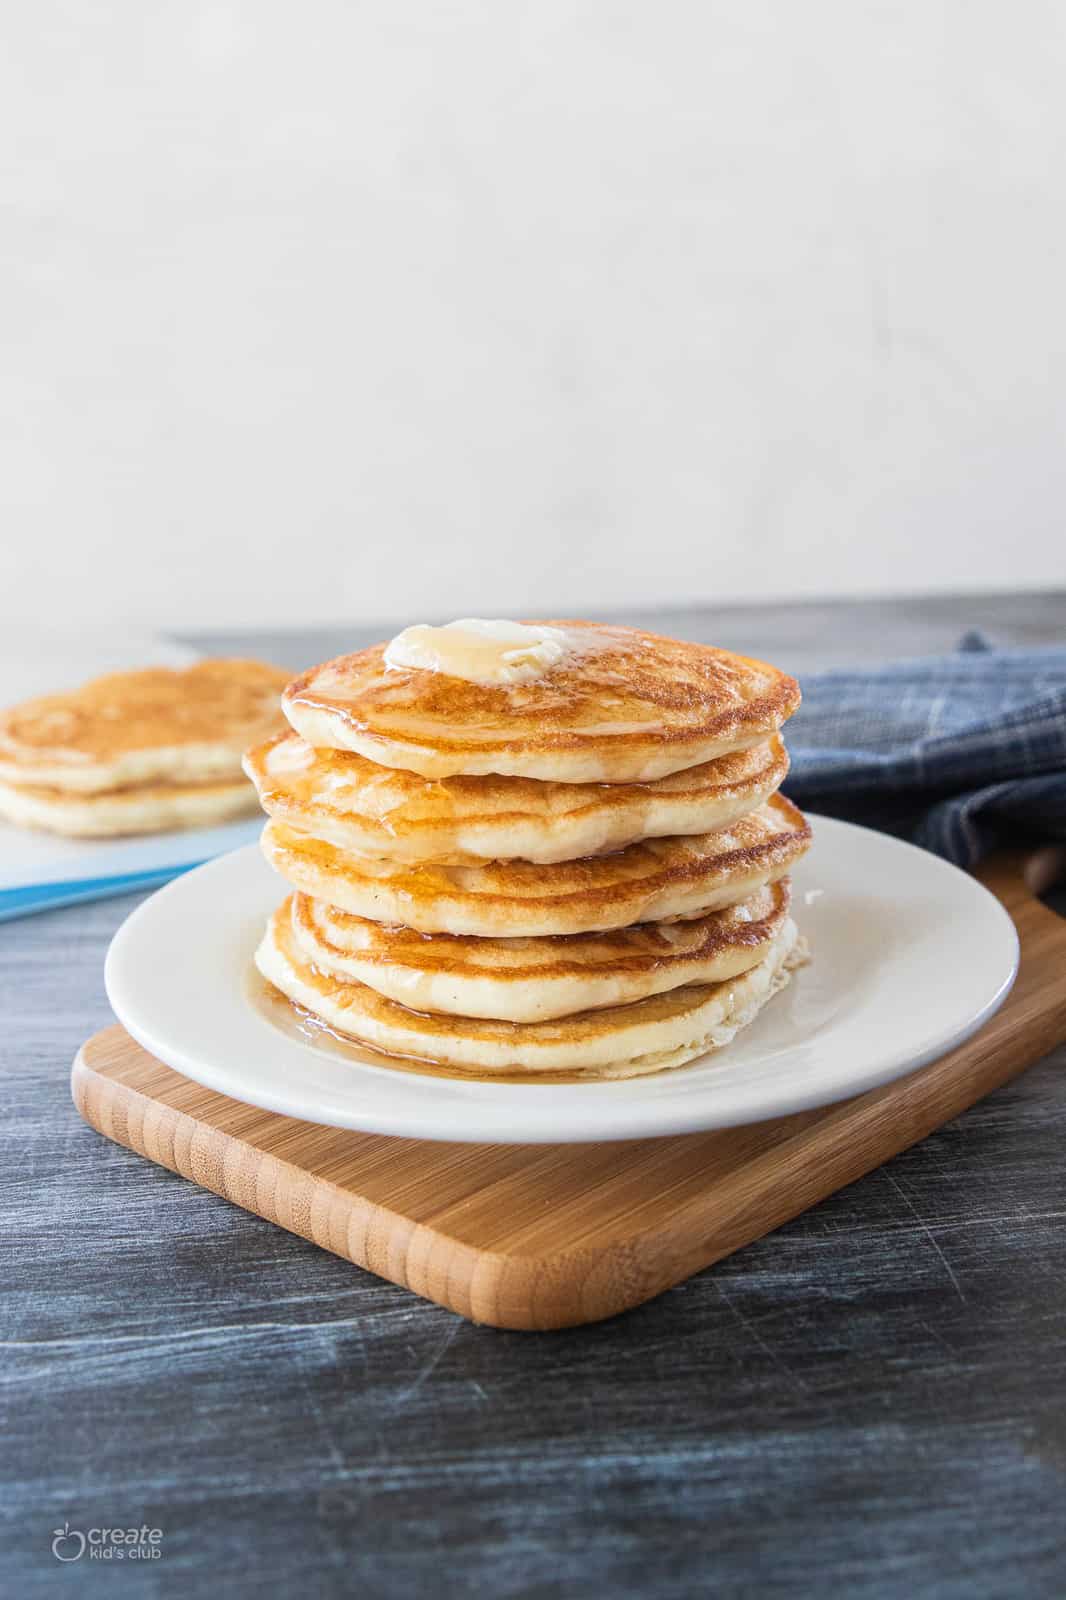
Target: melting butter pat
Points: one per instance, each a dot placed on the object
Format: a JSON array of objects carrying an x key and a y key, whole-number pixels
[{"x": 480, "y": 651}]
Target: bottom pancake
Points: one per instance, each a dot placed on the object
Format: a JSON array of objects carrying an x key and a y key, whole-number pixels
[
  {"x": 153, "y": 808},
  {"x": 646, "y": 1036}
]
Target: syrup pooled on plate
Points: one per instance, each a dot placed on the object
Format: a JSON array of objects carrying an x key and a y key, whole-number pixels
[{"x": 301, "y": 1025}]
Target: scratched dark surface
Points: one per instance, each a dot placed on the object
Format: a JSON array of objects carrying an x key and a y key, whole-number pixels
[{"x": 871, "y": 1401}]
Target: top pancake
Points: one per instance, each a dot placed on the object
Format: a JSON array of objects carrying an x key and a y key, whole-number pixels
[
  {"x": 621, "y": 706},
  {"x": 159, "y": 724},
  {"x": 399, "y": 816}
]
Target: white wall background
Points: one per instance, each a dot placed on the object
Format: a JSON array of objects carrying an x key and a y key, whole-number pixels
[{"x": 332, "y": 310}]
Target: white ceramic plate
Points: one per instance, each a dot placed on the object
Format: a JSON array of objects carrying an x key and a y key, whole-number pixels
[{"x": 911, "y": 956}]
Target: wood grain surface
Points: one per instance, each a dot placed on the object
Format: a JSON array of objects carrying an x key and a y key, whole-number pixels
[
  {"x": 867, "y": 1403},
  {"x": 540, "y": 1237}
]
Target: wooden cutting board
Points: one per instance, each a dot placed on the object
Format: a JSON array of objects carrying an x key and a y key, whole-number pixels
[{"x": 548, "y": 1236}]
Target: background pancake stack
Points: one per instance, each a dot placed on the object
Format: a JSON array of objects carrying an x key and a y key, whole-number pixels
[
  {"x": 537, "y": 848},
  {"x": 138, "y": 752}
]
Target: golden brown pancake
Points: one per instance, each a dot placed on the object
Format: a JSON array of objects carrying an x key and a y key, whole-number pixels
[
  {"x": 382, "y": 811},
  {"x": 147, "y": 808},
  {"x": 161, "y": 724},
  {"x": 535, "y": 980},
  {"x": 658, "y": 880},
  {"x": 628, "y": 1040},
  {"x": 621, "y": 706},
  {"x": 651, "y": 1035}
]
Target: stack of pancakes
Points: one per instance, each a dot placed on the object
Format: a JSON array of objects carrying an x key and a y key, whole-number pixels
[
  {"x": 138, "y": 752},
  {"x": 580, "y": 868}
]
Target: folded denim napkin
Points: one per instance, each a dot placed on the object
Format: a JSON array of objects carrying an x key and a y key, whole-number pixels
[{"x": 958, "y": 753}]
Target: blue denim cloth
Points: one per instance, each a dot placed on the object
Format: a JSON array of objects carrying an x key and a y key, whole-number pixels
[{"x": 959, "y": 754}]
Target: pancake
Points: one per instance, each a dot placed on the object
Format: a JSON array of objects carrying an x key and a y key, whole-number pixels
[
  {"x": 619, "y": 706},
  {"x": 650, "y": 1035},
  {"x": 534, "y": 980},
  {"x": 161, "y": 724},
  {"x": 381, "y": 811},
  {"x": 153, "y": 808},
  {"x": 656, "y": 881}
]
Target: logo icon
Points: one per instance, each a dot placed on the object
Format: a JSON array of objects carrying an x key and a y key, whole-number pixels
[{"x": 68, "y": 1544}]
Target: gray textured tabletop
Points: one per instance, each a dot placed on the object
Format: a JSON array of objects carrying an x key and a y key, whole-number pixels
[{"x": 868, "y": 1402}]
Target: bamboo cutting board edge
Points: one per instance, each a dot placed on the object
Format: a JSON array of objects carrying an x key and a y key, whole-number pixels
[{"x": 538, "y": 1237}]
